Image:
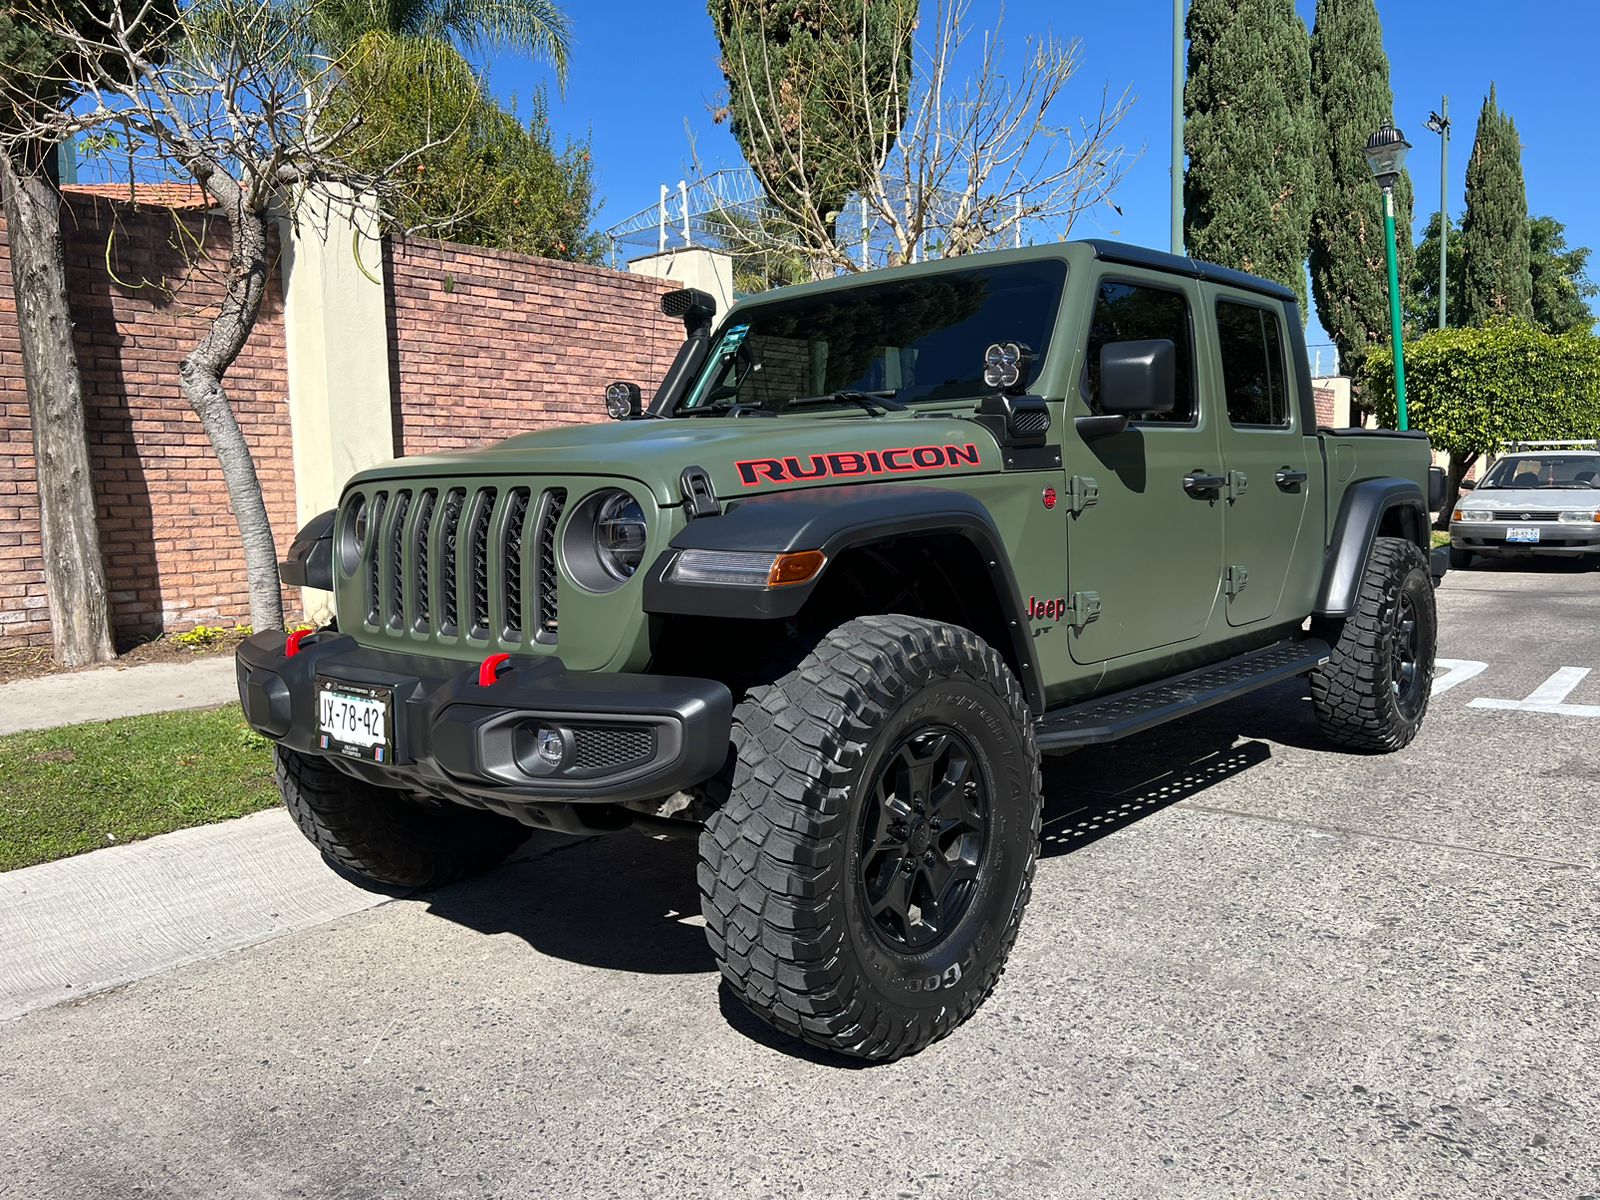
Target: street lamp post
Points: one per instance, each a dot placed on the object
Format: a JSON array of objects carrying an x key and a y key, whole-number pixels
[
  {"x": 1439, "y": 122},
  {"x": 1386, "y": 155}
]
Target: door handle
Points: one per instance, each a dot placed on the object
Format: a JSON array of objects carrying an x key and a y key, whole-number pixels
[
  {"x": 1196, "y": 482},
  {"x": 1289, "y": 477}
]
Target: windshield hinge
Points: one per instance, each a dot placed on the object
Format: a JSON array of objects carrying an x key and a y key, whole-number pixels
[
  {"x": 699, "y": 496},
  {"x": 1081, "y": 493}
]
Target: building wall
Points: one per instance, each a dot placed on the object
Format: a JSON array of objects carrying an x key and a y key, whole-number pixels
[
  {"x": 482, "y": 344},
  {"x": 171, "y": 549}
]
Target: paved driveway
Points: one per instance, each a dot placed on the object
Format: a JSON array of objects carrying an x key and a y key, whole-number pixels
[{"x": 1252, "y": 967}]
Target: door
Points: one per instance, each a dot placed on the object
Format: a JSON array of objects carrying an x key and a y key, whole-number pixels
[
  {"x": 1264, "y": 452},
  {"x": 1148, "y": 548}
]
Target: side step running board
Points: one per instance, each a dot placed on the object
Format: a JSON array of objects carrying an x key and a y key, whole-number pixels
[{"x": 1122, "y": 713}]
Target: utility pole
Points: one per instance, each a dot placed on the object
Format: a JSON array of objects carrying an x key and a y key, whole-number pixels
[
  {"x": 1439, "y": 122},
  {"x": 1177, "y": 126}
]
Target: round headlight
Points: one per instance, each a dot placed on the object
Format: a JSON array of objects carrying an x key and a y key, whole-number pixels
[
  {"x": 359, "y": 520},
  {"x": 619, "y": 531},
  {"x": 603, "y": 540},
  {"x": 352, "y": 540}
]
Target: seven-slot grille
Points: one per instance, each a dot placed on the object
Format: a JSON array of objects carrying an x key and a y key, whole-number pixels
[{"x": 477, "y": 561}]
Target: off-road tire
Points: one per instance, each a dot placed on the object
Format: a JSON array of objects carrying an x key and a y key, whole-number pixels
[
  {"x": 383, "y": 834},
  {"x": 1354, "y": 692},
  {"x": 783, "y": 874},
  {"x": 1460, "y": 560}
]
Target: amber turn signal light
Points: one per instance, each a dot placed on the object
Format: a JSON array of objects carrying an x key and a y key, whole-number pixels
[{"x": 798, "y": 566}]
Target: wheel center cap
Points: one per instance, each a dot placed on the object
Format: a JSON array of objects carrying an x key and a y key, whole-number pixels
[{"x": 921, "y": 837}]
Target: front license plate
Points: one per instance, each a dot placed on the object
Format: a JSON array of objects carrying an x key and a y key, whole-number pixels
[
  {"x": 355, "y": 719},
  {"x": 1522, "y": 533}
]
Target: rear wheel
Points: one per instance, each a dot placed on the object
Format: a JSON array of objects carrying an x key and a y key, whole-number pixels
[
  {"x": 385, "y": 835},
  {"x": 1373, "y": 691},
  {"x": 864, "y": 882},
  {"x": 1460, "y": 560}
]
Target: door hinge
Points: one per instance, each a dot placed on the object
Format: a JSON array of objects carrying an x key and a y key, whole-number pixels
[
  {"x": 1083, "y": 608},
  {"x": 1081, "y": 493},
  {"x": 1236, "y": 579},
  {"x": 1238, "y": 481}
]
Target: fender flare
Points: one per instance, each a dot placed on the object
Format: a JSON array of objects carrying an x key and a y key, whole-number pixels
[
  {"x": 310, "y": 561},
  {"x": 834, "y": 520},
  {"x": 1361, "y": 513}
]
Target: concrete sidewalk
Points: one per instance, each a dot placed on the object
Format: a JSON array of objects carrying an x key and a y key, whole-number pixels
[
  {"x": 80, "y": 925},
  {"x": 107, "y": 693}
]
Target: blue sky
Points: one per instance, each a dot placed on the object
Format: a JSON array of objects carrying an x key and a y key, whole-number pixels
[{"x": 644, "y": 75}]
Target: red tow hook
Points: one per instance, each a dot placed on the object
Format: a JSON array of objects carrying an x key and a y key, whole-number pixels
[
  {"x": 489, "y": 669},
  {"x": 291, "y": 644}
]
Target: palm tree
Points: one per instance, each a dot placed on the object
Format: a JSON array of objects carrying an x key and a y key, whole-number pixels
[{"x": 422, "y": 27}]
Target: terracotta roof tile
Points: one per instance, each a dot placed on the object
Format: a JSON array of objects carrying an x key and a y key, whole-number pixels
[{"x": 159, "y": 195}]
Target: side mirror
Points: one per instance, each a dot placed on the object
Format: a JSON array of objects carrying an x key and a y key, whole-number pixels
[
  {"x": 1137, "y": 378},
  {"x": 1468, "y": 484},
  {"x": 623, "y": 402}
]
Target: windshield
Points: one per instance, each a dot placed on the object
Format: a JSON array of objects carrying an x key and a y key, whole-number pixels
[
  {"x": 1573, "y": 471},
  {"x": 902, "y": 340}
]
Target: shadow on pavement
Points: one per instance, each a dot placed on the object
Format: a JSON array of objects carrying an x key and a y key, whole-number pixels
[
  {"x": 620, "y": 901},
  {"x": 626, "y": 902}
]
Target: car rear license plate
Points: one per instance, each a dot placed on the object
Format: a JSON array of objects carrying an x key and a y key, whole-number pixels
[
  {"x": 1522, "y": 533},
  {"x": 355, "y": 719}
]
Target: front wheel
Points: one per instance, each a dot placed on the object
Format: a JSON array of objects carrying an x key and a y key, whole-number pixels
[
  {"x": 1373, "y": 691},
  {"x": 1460, "y": 559},
  {"x": 384, "y": 834},
  {"x": 864, "y": 882}
]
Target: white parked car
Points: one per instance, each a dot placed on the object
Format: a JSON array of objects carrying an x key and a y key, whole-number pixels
[{"x": 1538, "y": 498}]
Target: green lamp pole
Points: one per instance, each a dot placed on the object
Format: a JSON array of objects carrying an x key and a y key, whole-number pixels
[{"x": 1386, "y": 154}]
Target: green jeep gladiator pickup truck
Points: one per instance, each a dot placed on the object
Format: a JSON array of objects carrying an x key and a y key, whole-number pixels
[{"x": 873, "y": 546}]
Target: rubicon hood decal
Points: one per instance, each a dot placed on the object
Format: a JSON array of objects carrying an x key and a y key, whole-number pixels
[{"x": 753, "y": 472}]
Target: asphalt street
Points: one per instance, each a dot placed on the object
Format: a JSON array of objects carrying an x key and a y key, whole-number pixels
[{"x": 1253, "y": 966}]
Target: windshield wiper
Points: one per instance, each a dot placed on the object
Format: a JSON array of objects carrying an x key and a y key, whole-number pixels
[{"x": 875, "y": 403}]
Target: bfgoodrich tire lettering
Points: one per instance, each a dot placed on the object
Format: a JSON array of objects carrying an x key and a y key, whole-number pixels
[
  {"x": 1373, "y": 691},
  {"x": 781, "y": 874},
  {"x": 382, "y": 834}
]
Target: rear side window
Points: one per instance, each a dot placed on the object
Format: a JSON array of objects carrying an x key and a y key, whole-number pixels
[
  {"x": 1131, "y": 312},
  {"x": 1253, "y": 375}
]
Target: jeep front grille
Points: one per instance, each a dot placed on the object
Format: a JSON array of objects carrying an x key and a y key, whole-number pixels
[{"x": 479, "y": 562}]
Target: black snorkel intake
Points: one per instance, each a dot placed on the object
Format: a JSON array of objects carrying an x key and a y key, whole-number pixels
[{"x": 697, "y": 308}]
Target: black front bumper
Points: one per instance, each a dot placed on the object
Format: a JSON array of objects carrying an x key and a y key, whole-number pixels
[{"x": 631, "y": 737}]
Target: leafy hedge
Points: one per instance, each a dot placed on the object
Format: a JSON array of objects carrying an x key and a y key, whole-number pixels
[{"x": 1473, "y": 390}]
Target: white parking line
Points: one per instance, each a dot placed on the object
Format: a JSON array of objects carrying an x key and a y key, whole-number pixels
[
  {"x": 1549, "y": 697},
  {"x": 1456, "y": 671}
]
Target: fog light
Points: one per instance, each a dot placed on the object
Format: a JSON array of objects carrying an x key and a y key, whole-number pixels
[{"x": 550, "y": 745}]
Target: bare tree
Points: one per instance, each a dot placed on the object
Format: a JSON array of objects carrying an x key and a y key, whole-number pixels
[
  {"x": 955, "y": 164},
  {"x": 238, "y": 101}
]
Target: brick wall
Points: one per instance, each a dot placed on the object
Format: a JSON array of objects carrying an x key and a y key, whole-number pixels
[
  {"x": 484, "y": 344},
  {"x": 171, "y": 548}
]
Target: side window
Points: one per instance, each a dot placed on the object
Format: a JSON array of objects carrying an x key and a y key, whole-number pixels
[
  {"x": 1131, "y": 312},
  {"x": 1253, "y": 377}
]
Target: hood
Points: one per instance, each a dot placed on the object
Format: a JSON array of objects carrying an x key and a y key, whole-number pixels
[
  {"x": 1528, "y": 500},
  {"x": 743, "y": 456}
]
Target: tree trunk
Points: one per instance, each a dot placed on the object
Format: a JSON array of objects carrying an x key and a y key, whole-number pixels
[
  {"x": 202, "y": 373},
  {"x": 74, "y": 572},
  {"x": 1460, "y": 464}
]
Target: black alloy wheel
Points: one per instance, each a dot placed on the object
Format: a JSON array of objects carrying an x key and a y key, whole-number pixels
[{"x": 922, "y": 838}]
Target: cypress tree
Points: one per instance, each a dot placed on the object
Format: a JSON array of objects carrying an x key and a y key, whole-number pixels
[
  {"x": 1495, "y": 248},
  {"x": 811, "y": 89},
  {"x": 1351, "y": 93},
  {"x": 1249, "y": 133}
]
